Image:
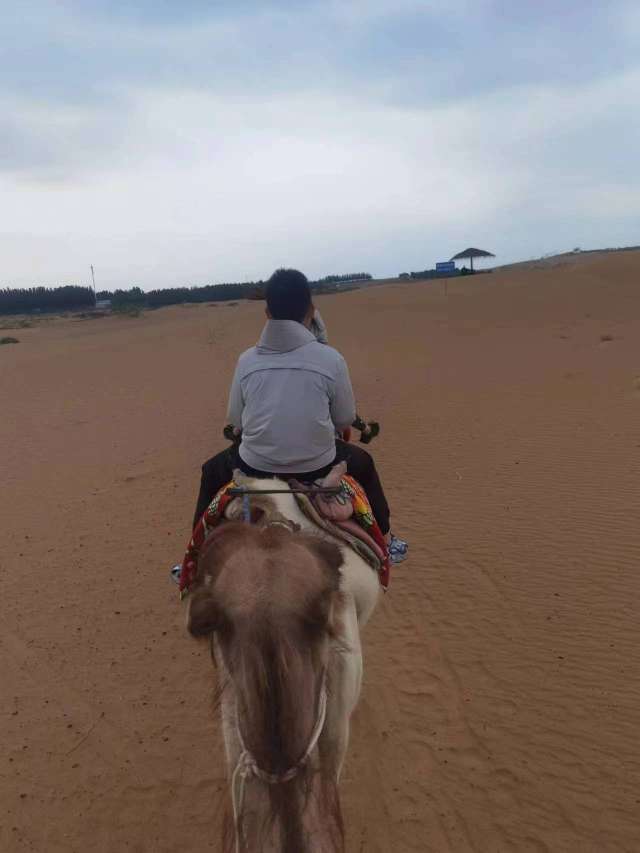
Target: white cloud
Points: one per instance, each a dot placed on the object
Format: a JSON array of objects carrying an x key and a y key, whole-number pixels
[
  {"x": 627, "y": 16},
  {"x": 360, "y": 11},
  {"x": 172, "y": 182}
]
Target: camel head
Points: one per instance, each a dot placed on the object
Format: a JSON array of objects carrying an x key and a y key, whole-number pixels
[{"x": 271, "y": 598}]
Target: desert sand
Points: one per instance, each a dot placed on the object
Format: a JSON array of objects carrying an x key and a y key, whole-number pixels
[{"x": 501, "y": 703}]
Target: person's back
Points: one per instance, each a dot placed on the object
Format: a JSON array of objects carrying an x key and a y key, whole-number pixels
[{"x": 289, "y": 395}]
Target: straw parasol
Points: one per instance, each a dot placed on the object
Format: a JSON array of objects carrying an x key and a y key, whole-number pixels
[{"x": 471, "y": 254}]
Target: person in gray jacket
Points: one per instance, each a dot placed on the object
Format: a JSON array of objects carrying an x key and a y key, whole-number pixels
[{"x": 289, "y": 395}]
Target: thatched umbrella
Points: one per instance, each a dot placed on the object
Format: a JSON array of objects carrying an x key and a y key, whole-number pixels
[{"x": 471, "y": 254}]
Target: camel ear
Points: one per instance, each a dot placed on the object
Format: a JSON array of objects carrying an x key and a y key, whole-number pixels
[{"x": 203, "y": 615}]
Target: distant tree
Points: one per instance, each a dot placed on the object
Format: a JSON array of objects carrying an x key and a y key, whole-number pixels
[
  {"x": 69, "y": 298},
  {"x": 344, "y": 277},
  {"x": 23, "y": 301},
  {"x": 132, "y": 298}
]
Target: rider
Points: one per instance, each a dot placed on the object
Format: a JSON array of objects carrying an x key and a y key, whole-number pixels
[{"x": 289, "y": 395}]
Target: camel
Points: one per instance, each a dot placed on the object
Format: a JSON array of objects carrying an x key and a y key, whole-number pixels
[{"x": 283, "y": 605}]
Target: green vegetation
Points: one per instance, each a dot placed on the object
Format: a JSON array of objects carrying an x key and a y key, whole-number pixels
[
  {"x": 72, "y": 298},
  {"x": 23, "y": 301},
  {"x": 346, "y": 277},
  {"x": 8, "y": 340},
  {"x": 214, "y": 293}
]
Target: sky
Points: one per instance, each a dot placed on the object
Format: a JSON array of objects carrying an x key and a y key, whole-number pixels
[{"x": 185, "y": 143}]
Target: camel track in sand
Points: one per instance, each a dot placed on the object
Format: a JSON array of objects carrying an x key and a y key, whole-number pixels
[{"x": 501, "y": 701}]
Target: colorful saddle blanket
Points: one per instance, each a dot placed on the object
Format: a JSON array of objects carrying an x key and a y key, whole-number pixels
[{"x": 347, "y": 516}]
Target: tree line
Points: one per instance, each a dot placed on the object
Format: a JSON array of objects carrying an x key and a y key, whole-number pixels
[
  {"x": 69, "y": 298},
  {"x": 137, "y": 298},
  {"x": 350, "y": 276},
  {"x": 433, "y": 273},
  {"x": 26, "y": 300}
]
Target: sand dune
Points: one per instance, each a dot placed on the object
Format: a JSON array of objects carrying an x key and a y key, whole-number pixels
[{"x": 502, "y": 679}]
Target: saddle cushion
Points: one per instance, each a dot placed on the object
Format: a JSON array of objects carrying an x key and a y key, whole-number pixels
[
  {"x": 347, "y": 515},
  {"x": 335, "y": 507}
]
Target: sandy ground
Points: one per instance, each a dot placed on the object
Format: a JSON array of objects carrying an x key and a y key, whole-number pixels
[{"x": 501, "y": 706}]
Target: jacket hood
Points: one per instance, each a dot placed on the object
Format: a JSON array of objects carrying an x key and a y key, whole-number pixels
[{"x": 284, "y": 336}]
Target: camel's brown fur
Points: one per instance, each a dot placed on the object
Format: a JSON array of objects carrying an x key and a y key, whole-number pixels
[{"x": 270, "y": 597}]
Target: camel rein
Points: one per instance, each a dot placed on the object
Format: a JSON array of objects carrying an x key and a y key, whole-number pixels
[
  {"x": 248, "y": 767},
  {"x": 245, "y": 494}
]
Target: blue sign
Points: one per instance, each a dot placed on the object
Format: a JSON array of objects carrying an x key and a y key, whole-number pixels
[{"x": 446, "y": 266}]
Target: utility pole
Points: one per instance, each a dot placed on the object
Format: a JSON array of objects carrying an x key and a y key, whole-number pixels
[{"x": 93, "y": 279}]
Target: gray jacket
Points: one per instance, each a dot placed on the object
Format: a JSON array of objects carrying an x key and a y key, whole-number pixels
[{"x": 289, "y": 394}]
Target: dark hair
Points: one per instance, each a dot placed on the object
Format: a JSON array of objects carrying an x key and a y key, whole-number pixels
[{"x": 288, "y": 295}]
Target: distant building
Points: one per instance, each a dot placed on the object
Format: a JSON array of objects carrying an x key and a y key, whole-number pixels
[{"x": 103, "y": 305}]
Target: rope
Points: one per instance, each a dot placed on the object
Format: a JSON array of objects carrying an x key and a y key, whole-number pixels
[
  {"x": 246, "y": 507},
  {"x": 248, "y": 767}
]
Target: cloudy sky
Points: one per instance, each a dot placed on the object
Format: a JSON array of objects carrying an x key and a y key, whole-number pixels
[{"x": 173, "y": 142}]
